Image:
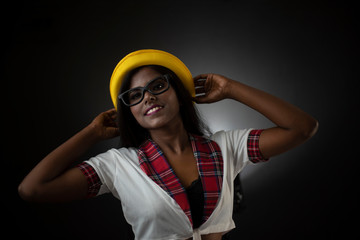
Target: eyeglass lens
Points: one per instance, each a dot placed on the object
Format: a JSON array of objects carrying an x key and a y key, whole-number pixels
[{"x": 135, "y": 95}]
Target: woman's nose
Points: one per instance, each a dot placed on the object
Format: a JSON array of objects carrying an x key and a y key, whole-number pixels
[{"x": 148, "y": 97}]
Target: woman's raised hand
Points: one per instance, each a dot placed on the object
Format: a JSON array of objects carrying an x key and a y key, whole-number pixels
[
  {"x": 105, "y": 126},
  {"x": 211, "y": 88}
]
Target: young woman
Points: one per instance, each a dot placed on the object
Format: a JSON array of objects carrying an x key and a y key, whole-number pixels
[{"x": 174, "y": 178}]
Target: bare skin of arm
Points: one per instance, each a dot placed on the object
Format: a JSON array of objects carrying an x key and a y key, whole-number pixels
[
  {"x": 51, "y": 180},
  {"x": 293, "y": 126}
]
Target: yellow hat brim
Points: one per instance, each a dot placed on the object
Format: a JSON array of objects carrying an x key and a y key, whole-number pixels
[{"x": 149, "y": 57}]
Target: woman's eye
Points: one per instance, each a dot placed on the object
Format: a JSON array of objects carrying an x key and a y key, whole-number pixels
[
  {"x": 158, "y": 86},
  {"x": 135, "y": 95}
]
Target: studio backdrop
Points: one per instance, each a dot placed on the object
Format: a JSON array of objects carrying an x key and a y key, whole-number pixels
[{"x": 56, "y": 66}]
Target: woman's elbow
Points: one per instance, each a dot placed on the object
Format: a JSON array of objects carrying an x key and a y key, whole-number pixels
[
  {"x": 28, "y": 193},
  {"x": 309, "y": 129}
]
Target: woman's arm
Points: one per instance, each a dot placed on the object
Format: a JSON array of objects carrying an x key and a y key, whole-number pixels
[
  {"x": 293, "y": 126},
  {"x": 51, "y": 180}
]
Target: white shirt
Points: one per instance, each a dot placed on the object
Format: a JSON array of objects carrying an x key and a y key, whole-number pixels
[{"x": 151, "y": 212}]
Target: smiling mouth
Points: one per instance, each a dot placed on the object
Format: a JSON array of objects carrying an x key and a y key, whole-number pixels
[{"x": 153, "y": 110}]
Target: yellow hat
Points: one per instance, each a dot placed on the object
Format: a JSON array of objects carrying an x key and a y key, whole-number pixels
[{"x": 149, "y": 57}]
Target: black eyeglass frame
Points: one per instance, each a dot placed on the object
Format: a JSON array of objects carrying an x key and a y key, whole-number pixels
[{"x": 143, "y": 89}]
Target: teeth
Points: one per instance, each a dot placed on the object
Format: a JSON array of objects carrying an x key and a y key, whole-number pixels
[{"x": 153, "y": 110}]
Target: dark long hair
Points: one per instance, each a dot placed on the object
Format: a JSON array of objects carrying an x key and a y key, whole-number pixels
[{"x": 133, "y": 135}]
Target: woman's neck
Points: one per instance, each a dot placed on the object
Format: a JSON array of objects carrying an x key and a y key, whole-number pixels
[{"x": 174, "y": 138}]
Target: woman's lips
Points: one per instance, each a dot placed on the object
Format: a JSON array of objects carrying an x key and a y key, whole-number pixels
[{"x": 152, "y": 110}]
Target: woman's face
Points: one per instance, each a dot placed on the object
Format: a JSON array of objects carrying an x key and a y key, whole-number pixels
[{"x": 154, "y": 111}]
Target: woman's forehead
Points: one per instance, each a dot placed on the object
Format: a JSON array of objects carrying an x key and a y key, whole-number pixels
[{"x": 143, "y": 76}]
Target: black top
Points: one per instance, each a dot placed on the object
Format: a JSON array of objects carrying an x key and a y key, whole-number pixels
[{"x": 195, "y": 195}]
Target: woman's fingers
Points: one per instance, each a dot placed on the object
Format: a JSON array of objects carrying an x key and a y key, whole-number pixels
[{"x": 199, "y": 83}]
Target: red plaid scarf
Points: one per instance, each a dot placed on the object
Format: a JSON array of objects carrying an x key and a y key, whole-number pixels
[{"x": 210, "y": 164}]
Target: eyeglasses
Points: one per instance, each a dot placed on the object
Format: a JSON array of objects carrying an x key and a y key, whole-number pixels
[{"x": 135, "y": 95}]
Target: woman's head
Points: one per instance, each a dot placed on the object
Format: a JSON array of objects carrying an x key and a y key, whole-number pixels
[{"x": 175, "y": 104}]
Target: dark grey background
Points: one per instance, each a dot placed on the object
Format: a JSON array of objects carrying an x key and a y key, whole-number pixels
[{"x": 58, "y": 57}]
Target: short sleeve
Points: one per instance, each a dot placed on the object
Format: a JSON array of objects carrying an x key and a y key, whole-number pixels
[
  {"x": 253, "y": 148},
  {"x": 233, "y": 146},
  {"x": 239, "y": 147},
  {"x": 92, "y": 179},
  {"x": 100, "y": 172}
]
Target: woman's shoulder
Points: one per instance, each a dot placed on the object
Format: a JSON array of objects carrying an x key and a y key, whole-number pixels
[
  {"x": 114, "y": 156},
  {"x": 125, "y": 150},
  {"x": 123, "y": 153},
  {"x": 230, "y": 135}
]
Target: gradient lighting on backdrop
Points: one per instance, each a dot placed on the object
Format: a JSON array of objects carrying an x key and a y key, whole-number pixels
[{"x": 301, "y": 51}]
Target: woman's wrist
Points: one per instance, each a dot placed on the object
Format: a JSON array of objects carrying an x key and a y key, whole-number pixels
[
  {"x": 92, "y": 132},
  {"x": 229, "y": 90}
]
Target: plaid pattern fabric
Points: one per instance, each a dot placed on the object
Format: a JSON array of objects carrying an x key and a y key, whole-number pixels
[
  {"x": 254, "y": 153},
  {"x": 92, "y": 179},
  {"x": 211, "y": 172},
  {"x": 210, "y": 165}
]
